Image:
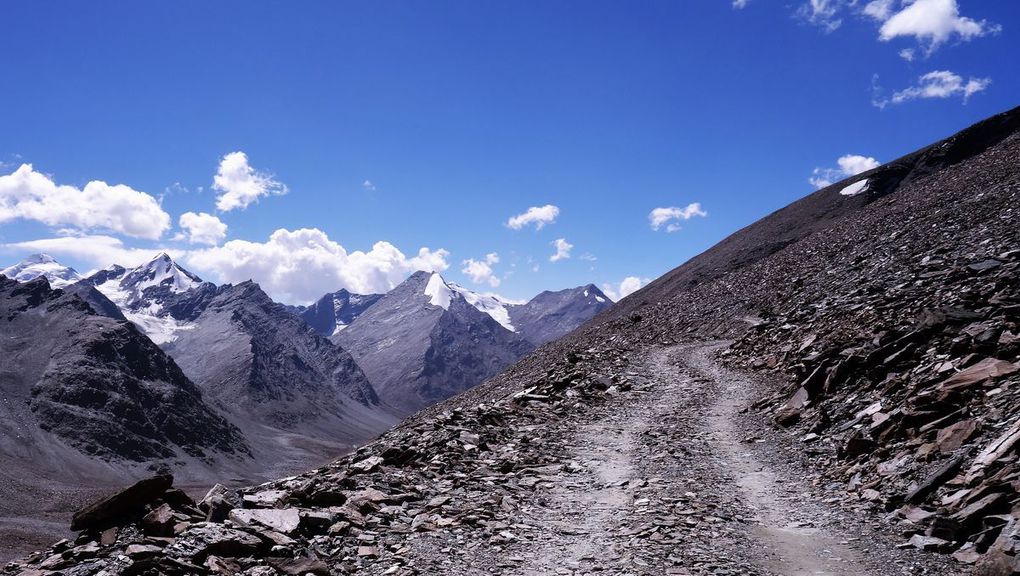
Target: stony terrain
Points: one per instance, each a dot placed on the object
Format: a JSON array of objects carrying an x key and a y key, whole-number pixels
[{"x": 863, "y": 420}]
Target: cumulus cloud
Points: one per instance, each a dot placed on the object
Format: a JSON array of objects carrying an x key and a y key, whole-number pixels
[
  {"x": 671, "y": 215},
  {"x": 202, "y": 228},
  {"x": 299, "y": 266},
  {"x": 563, "y": 249},
  {"x": 930, "y": 22},
  {"x": 31, "y": 195},
  {"x": 240, "y": 184},
  {"x": 537, "y": 215},
  {"x": 849, "y": 165},
  {"x": 368, "y": 186},
  {"x": 99, "y": 251},
  {"x": 739, "y": 4},
  {"x": 627, "y": 286},
  {"x": 480, "y": 271},
  {"x": 938, "y": 84}
]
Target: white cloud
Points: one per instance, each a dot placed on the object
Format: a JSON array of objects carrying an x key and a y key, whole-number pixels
[
  {"x": 938, "y": 84},
  {"x": 740, "y": 4},
  {"x": 671, "y": 215},
  {"x": 240, "y": 184},
  {"x": 849, "y": 165},
  {"x": 480, "y": 271},
  {"x": 299, "y": 266},
  {"x": 589, "y": 257},
  {"x": 563, "y": 249},
  {"x": 98, "y": 250},
  {"x": 31, "y": 195},
  {"x": 202, "y": 228},
  {"x": 537, "y": 215},
  {"x": 907, "y": 54},
  {"x": 627, "y": 286},
  {"x": 879, "y": 9},
  {"x": 931, "y": 22},
  {"x": 368, "y": 186},
  {"x": 823, "y": 13}
]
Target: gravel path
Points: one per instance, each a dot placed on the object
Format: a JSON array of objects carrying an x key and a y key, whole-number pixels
[{"x": 669, "y": 480}]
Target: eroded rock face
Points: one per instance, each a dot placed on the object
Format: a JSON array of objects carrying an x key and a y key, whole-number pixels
[{"x": 97, "y": 383}]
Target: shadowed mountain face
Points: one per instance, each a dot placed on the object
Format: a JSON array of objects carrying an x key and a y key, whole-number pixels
[
  {"x": 423, "y": 342},
  {"x": 335, "y": 311},
  {"x": 270, "y": 372},
  {"x": 551, "y": 315},
  {"x": 96, "y": 384}
]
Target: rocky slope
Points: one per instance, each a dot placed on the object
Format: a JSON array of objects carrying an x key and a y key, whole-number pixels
[
  {"x": 97, "y": 384},
  {"x": 423, "y": 342},
  {"x": 883, "y": 328}
]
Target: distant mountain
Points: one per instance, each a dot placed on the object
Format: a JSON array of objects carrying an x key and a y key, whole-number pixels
[
  {"x": 73, "y": 378},
  {"x": 336, "y": 310},
  {"x": 43, "y": 265},
  {"x": 551, "y": 315},
  {"x": 424, "y": 341},
  {"x": 158, "y": 296},
  {"x": 273, "y": 375}
]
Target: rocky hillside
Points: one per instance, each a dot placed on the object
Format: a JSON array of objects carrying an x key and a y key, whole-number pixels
[{"x": 97, "y": 384}]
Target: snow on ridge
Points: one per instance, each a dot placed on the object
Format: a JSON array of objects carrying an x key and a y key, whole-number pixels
[
  {"x": 492, "y": 304},
  {"x": 438, "y": 291}
]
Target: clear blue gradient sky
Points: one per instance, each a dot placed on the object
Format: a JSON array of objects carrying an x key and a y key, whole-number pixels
[{"x": 463, "y": 114}]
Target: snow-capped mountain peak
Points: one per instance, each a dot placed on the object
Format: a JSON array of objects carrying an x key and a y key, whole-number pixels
[
  {"x": 45, "y": 265},
  {"x": 160, "y": 271},
  {"x": 142, "y": 294}
]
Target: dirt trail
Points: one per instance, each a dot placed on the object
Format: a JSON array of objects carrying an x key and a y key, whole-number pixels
[
  {"x": 664, "y": 483},
  {"x": 785, "y": 519}
]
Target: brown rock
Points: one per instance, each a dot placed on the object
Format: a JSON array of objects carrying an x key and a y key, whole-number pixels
[{"x": 951, "y": 438}]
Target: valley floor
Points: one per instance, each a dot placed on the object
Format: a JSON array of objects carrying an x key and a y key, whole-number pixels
[{"x": 675, "y": 477}]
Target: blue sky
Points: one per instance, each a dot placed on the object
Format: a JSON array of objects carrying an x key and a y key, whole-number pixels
[{"x": 462, "y": 115}]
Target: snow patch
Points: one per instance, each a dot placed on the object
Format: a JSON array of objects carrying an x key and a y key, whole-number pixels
[
  {"x": 438, "y": 292},
  {"x": 855, "y": 188},
  {"x": 600, "y": 299}
]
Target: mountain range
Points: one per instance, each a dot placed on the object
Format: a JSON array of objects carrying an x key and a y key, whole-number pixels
[{"x": 128, "y": 370}]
